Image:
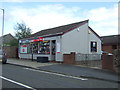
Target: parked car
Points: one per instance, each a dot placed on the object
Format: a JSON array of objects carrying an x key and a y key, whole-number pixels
[
  {"x": 3, "y": 57},
  {"x": 107, "y": 53}
]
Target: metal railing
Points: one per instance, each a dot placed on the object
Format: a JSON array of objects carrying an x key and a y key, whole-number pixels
[{"x": 90, "y": 60}]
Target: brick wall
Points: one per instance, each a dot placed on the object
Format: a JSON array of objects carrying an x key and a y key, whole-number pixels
[
  {"x": 11, "y": 51},
  {"x": 107, "y": 48},
  {"x": 69, "y": 58},
  {"x": 107, "y": 62}
]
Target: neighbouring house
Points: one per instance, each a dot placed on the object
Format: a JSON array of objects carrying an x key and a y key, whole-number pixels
[
  {"x": 110, "y": 43},
  {"x": 6, "y": 41},
  {"x": 52, "y": 43}
]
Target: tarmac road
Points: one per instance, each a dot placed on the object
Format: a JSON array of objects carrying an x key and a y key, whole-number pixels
[{"x": 22, "y": 77}]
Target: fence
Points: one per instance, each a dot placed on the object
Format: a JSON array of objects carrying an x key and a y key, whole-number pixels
[
  {"x": 90, "y": 60},
  {"x": 11, "y": 51}
]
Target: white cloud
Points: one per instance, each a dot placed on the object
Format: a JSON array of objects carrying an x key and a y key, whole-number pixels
[
  {"x": 103, "y": 20},
  {"x": 46, "y": 16}
]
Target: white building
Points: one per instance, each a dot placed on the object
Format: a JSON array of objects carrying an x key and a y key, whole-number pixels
[{"x": 54, "y": 42}]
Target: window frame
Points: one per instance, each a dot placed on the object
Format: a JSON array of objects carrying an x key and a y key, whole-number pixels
[{"x": 92, "y": 47}]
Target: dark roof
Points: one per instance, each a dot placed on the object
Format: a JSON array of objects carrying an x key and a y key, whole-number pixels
[
  {"x": 59, "y": 30},
  {"x": 112, "y": 39}
]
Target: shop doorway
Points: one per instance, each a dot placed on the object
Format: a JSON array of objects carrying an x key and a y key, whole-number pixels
[{"x": 53, "y": 50}]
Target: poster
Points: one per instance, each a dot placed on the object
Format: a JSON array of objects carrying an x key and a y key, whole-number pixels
[{"x": 23, "y": 49}]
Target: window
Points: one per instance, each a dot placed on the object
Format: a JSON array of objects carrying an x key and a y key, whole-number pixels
[
  {"x": 93, "y": 46},
  {"x": 44, "y": 47},
  {"x": 35, "y": 47}
]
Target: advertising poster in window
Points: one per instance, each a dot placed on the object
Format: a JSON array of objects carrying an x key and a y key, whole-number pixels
[{"x": 23, "y": 49}]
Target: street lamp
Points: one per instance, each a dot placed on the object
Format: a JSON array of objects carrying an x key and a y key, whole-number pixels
[{"x": 2, "y": 26}]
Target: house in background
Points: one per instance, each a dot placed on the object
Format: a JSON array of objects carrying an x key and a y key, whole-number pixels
[
  {"x": 6, "y": 41},
  {"x": 54, "y": 42},
  {"x": 110, "y": 43}
]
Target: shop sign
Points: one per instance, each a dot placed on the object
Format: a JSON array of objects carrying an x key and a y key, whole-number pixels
[
  {"x": 40, "y": 38},
  {"x": 23, "y": 41},
  {"x": 23, "y": 49},
  {"x": 36, "y": 40}
]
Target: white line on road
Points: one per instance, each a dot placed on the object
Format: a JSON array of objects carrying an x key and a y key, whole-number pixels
[
  {"x": 23, "y": 85},
  {"x": 68, "y": 76}
]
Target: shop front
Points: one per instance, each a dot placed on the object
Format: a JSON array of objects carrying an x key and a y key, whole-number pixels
[
  {"x": 40, "y": 47},
  {"x": 53, "y": 43}
]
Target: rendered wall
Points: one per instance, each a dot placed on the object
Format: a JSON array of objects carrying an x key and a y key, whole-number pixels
[
  {"x": 75, "y": 41},
  {"x": 93, "y": 37},
  {"x": 78, "y": 40}
]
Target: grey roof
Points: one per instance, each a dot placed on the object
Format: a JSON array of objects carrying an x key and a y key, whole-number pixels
[
  {"x": 60, "y": 29},
  {"x": 112, "y": 39}
]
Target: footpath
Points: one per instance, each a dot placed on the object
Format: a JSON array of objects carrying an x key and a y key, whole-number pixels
[{"x": 71, "y": 70}]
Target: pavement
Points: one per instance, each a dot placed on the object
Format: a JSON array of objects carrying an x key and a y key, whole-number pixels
[
  {"x": 71, "y": 70},
  {"x": 28, "y": 63}
]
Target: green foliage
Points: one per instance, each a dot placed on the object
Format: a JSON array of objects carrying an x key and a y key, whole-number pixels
[
  {"x": 22, "y": 31},
  {"x": 12, "y": 43}
]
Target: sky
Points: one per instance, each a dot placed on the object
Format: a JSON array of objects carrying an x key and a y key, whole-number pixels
[{"x": 103, "y": 16}]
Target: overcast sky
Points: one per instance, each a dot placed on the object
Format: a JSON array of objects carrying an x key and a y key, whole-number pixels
[{"x": 103, "y": 16}]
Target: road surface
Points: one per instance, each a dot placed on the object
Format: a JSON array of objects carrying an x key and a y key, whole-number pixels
[{"x": 22, "y": 77}]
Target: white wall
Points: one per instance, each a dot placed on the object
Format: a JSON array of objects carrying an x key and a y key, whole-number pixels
[
  {"x": 93, "y": 37},
  {"x": 29, "y": 56},
  {"x": 79, "y": 41},
  {"x": 76, "y": 40}
]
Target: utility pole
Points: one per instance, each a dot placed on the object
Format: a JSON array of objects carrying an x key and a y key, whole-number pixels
[{"x": 2, "y": 28}]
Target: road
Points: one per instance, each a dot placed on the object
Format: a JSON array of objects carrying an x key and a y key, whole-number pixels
[{"x": 21, "y": 77}]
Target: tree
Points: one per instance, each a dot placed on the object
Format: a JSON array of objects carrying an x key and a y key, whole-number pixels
[{"x": 22, "y": 31}]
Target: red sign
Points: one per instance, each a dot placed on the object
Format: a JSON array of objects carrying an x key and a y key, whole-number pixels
[
  {"x": 36, "y": 40},
  {"x": 23, "y": 50},
  {"x": 40, "y": 38},
  {"x": 24, "y": 45}
]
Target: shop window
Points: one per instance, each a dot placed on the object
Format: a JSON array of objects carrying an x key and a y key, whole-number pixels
[
  {"x": 35, "y": 47},
  {"x": 29, "y": 48},
  {"x": 114, "y": 47},
  {"x": 44, "y": 47},
  {"x": 93, "y": 46}
]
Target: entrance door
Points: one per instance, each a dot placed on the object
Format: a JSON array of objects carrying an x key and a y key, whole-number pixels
[{"x": 53, "y": 50}]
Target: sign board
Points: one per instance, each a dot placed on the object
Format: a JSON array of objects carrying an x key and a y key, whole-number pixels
[
  {"x": 23, "y": 49},
  {"x": 38, "y": 39}
]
